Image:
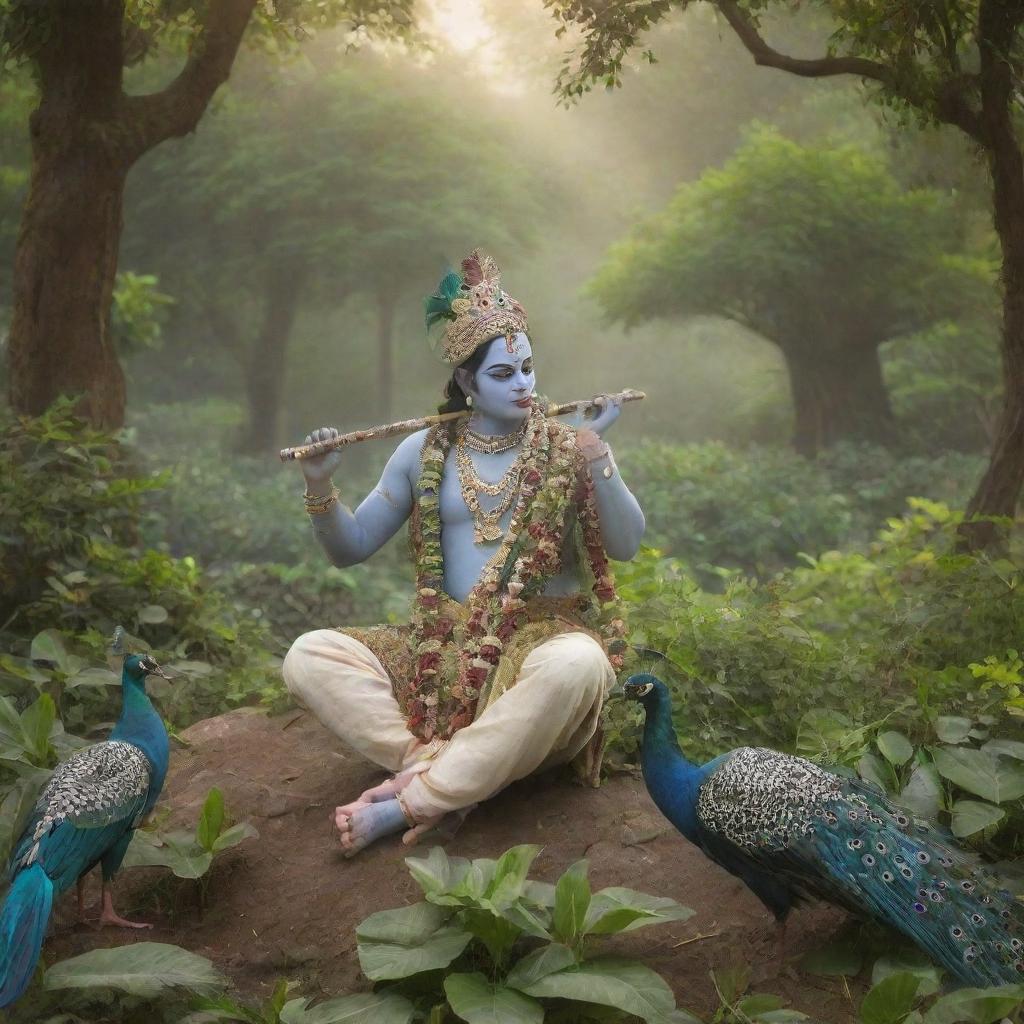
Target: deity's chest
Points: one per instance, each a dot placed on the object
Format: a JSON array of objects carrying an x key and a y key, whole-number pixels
[{"x": 490, "y": 469}]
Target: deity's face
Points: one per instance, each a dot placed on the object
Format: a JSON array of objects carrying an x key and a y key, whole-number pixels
[{"x": 503, "y": 383}]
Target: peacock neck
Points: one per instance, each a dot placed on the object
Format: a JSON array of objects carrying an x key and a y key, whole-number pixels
[
  {"x": 672, "y": 780},
  {"x": 141, "y": 725}
]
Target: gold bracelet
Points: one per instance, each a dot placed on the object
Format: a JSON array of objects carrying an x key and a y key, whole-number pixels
[{"x": 317, "y": 504}]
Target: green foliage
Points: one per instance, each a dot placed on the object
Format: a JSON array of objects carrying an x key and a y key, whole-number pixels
[
  {"x": 138, "y": 312},
  {"x": 190, "y": 855},
  {"x": 507, "y": 945},
  {"x": 890, "y": 640}
]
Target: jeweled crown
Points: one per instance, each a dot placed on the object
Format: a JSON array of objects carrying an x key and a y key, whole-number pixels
[{"x": 473, "y": 309}]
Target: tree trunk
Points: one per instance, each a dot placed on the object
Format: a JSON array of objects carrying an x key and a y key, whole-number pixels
[
  {"x": 265, "y": 373},
  {"x": 86, "y": 134},
  {"x": 999, "y": 491},
  {"x": 838, "y": 397},
  {"x": 66, "y": 255},
  {"x": 385, "y": 360}
]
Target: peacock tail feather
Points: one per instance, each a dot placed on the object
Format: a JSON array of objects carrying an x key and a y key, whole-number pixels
[
  {"x": 843, "y": 841},
  {"x": 438, "y": 307}
]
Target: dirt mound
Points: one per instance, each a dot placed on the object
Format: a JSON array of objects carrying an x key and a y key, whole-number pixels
[{"x": 286, "y": 904}]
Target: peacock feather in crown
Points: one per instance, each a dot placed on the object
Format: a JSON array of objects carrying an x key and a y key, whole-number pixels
[{"x": 470, "y": 308}]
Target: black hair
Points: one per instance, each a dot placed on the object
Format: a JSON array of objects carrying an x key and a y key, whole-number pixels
[{"x": 455, "y": 397}]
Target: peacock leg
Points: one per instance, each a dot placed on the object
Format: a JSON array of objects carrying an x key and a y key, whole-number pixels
[
  {"x": 108, "y": 915},
  {"x": 80, "y": 892}
]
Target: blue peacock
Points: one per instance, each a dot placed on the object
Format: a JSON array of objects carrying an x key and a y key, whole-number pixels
[
  {"x": 85, "y": 815},
  {"x": 791, "y": 830}
]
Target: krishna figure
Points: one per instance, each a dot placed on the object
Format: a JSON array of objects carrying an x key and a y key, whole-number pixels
[{"x": 515, "y": 637}]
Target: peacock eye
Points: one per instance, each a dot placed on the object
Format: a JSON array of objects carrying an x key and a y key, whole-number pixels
[{"x": 645, "y": 689}]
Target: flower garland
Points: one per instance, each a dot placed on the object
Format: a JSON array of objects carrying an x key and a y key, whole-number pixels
[{"x": 555, "y": 480}]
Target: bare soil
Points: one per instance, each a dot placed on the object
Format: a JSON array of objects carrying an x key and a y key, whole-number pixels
[{"x": 286, "y": 904}]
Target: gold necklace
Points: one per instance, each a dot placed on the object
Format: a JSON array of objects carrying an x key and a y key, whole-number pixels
[
  {"x": 486, "y": 524},
  {"x": 493, "y": 445}
]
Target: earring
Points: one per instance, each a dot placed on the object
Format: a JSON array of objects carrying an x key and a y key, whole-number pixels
[{"x": 469, "y": 401}]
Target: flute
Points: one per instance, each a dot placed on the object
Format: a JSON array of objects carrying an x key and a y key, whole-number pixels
[{"x": 307, "y": 451}]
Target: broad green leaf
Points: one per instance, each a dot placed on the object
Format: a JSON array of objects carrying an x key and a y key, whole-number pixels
[
  {"x": 398, "y": 943},
  {"x": 152, "y": 614},
  {"x": 364, "y": 1008},
  {"x": 234, "y": 835},
  {"x": 144, "y": 969},
  {"x": 890, "y": 1000},
  {"x": 211, "y": 819},
  {"x": 572, "y": 900},
  {"x": 535, "y": 921},
  {"x": 540, "y": 894},
  {"x": 923, "y": 792},
  {"x": 610, "y": 981},
  {"x": 752, "y": 1006},
  {"x": 874, "y": 769},
  {"x": 36, "y": 723},
  {"x": 1008, "y": 748},
  {"x": 895, "y": 747},
  {"x": 980, "y": 773},
  {"x": 909, "y": 962},
  {"x": 834, "y": 959},
  {"x": 93, "y": 677},
  {"x": 616, "y": 909},
  {"x": 433, "y": 873},
  {"x": 411, "y": 924},
  {"x": 952, "y": 728},
  {"x": 496, "y": 932},
  {"x": 781, "y": 1017},
  {"x": 970, "y": 816},
  {"x": 16, "y": 805},
  {"x": 510, "y": 874},
  {"x": 477, "y": 1001},
  {"x": 539, "y": 964},
  {"x": 976, "y": 1005},
  {"x": 49, "y": 646},
  {"x": 175, "y": 850}
]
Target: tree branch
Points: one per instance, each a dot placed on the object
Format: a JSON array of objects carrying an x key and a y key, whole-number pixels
[
  {"x": 949, "y": 103},
  {"x": 176, "y": 110},
  {"x": 821, "y": 67}
]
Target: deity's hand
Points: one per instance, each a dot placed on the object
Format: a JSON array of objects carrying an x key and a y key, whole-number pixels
[
  {"x": 319, "y": 469},
  {"x": 606, "y": 413}
]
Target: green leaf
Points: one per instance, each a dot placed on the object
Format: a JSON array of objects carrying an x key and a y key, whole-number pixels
[
  {"x": 510, "y": 874},
  {"x": 477, "y": 1001},
  {"x": 152, "y": 614},
  {"x": 175, "y": 850},
  {"x": 433, "y": 873},
  {"x": 970, "y": 816},
  {"x": 979, "y": 772},
  {"x": 36, "y": 724},
  {"x": 890, "y": 1000},
  {"x": 49, "y": 646},
  {"x": 539, "y": 964},
  {"x": 1008, "y": 748},
  {"x": 145, "y": 969},
  {"x": 923, "y": 792},
  {"x": 405, "y": 941},
  {"x": 610, "y": 981},
  {"x": 234, "y": 835},
  {"x": 616, "y": 909},
  {"x": 909, "y": 962},
  {"x": 211, "y": 820},
  {"x": 976, "y": 1005},
  {"x": 895, "y": 747},
  {"x": 874, "y": 769},
  {"x": 572, "y": 900},
  {"x": 952, "y": 728},
  {"x": 16, "y": 805},
  {"x": 364, "y": 1008},
  {"x": 834, "y": 959},
  {"x": 93, "y": 677},
  {"x": 535, "y": 921}
]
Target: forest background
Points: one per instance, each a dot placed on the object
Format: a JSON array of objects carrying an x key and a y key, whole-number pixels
[{"x": 801, "y": 271}]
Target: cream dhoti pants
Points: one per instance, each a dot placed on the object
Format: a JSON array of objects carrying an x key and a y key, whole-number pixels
[{"x": 546, "y": 718}]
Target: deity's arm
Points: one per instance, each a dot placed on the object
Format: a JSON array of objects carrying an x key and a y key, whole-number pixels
[
  {"x": 622, "y": 519},
  {"x": 350, "y": 537}
]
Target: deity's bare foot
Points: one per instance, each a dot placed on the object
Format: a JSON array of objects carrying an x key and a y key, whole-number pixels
[
  {"x": 369, "y": 822},
  {"x": 387, "y": 790}
]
